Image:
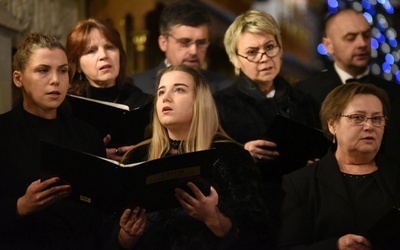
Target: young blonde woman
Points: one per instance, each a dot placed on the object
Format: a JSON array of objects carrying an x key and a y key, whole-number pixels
[{"x": 233, "y": 216}]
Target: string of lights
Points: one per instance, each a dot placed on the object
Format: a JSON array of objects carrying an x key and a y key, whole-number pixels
[{"x": 384, "y": 43}]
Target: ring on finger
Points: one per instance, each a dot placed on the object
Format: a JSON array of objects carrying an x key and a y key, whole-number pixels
[{"x": 260, "y": 157}]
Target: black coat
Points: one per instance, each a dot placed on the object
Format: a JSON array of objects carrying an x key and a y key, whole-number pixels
[
  {"x": 146, "y": 80},
  {"x": 322, "y": 83},
  {"x": 317, "y": 208},
  {"x": 131, "y": 95},
  {"x": 236, "y": 180},
  {"x": 246, "y": 113},
  {"x": 64, "y": 225}
]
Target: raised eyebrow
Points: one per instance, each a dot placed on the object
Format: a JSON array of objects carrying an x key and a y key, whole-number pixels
[
  {"x": 360, "y": 112},
  {"x": 270, "y": 42},
  {"x": 180, "y": 84},
  {"x": 43, "y": 65},
  {"x": 92, "y": 46},
  {"x": 63, "y": 66},
  {"x": 352, "y": 34},
  {"x": 109, "y": 44},
  {"x": 366, "y": 32}
]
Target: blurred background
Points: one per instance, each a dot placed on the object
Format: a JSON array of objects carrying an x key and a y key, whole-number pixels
[{"x": 137, "y": 21}]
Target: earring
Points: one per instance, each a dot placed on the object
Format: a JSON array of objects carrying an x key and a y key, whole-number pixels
[
  {"x": 334, "y": 139},
  {"x": 80, "y": 76}
]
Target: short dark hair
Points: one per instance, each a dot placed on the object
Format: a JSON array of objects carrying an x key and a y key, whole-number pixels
[{"x": 182, "y": 13}]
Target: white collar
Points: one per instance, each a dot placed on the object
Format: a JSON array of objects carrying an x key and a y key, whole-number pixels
[{"x": 343, "y": 75}]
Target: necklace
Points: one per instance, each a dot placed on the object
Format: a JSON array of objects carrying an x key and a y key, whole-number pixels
[
  {"x": 174, "y": 144},
  {"x": 353, "y": 176}
]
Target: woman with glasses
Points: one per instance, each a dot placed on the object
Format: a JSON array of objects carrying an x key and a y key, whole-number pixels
[
  {"x": 333, "y": 203},
  {"x": 247, "y": 108},
  {"x": 254, "y": 46}
]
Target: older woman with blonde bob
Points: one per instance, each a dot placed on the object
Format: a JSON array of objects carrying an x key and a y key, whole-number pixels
[
  {"x": 333, "y": 203},
  {"x": 247, "y": 108},
  {"x": 254, "y": 45}
]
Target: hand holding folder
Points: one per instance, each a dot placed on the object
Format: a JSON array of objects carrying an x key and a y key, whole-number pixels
[{"x": 112, "y": 187}]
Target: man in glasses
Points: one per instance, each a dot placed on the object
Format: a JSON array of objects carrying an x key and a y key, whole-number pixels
[
  {"x": 184, "y": 38},
  {"x": 348, "y": 38}
]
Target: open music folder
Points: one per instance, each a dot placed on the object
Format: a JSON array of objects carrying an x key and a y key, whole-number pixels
[
  {"x": 296, "y": 143},
  {"x": 126, "y": 127},
  {"x": 113, "y": 187}
]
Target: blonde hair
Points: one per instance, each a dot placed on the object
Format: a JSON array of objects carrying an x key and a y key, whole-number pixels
[
  {"x": 252, "y": 21},
  {"x": 204, "y": 128}
]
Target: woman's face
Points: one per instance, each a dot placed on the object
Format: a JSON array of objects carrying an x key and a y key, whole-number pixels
[
  {"x": 356, "y": 139},
  {"x": 265, "y": 70},
  {"x": 175, "y": 100},
  {"x": 100, "y": 61},
  {"x": 44, "y": 82}
]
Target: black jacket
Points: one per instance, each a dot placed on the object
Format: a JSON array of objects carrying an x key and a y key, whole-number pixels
[
  {"x": 235, "y": 178},
  {"x": 246, "y": 113},
  {"x": 131, "y": 95},
  {"x": 65, "y": 224},
  {"x": 318, "y": 209}
]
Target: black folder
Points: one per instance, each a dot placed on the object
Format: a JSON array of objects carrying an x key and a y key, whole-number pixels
[
  {"x": 385, "y": 234},
  {"x": 126, "y": 127},
  {"x": 296, "y": 143},
  {"x": 112, "y": 187}
]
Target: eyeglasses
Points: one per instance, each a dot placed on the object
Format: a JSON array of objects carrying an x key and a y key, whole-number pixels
[
  {"x": 186, "y": 42},
  {"x": 255, "y": 56},
  {"x": 356, "y": 119}
]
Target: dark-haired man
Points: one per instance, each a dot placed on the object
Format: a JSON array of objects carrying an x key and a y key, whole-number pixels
[{"x": 184, "y": 38}]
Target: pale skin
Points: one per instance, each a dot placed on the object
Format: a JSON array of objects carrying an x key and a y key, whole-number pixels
[
  {"x": 100, "y": 61},
  {"x": 44, "y": 83},
  {"x": 263, "y": 74},
  {"x": 176, "y": 54},
  {"x": 356, "y": 150},
  {"x": 175, "y": 96},
  {"x": 348, "y": 39}
]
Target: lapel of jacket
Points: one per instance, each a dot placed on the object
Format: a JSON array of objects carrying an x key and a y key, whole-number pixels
[
  {"x": 332, "y": 79},
  {"x": 329, "y": 175},
  {"x": 390, "y": 173}
]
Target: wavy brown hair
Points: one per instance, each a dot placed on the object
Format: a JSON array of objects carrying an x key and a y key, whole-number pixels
[{"x": 77, "y": 43}]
